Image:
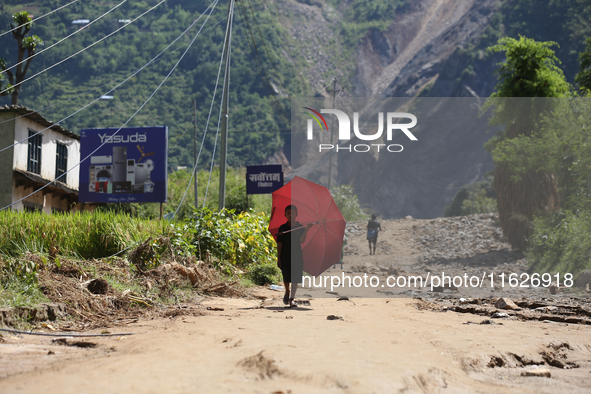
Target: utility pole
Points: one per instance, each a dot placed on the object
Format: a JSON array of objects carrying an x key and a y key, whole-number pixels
[
  {"x": 224, "y": 143},
  {"x": 195, "y": 149},
  {"x": 334, "y": 96}
]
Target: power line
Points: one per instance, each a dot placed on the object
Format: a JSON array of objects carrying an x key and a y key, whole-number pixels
[
  {"x": 69, "y": 99},
  {"x": 286, "y": 51},
  {"x": 278, "y": 131},
  {"x": 154, "y": 59},
  {"x": 266, "y": 48},
  {"x": 42, "y": 16},
  {"x": 193, "y": 174},
  {"x": 110, "y": 82},
  {"x": 212, "y": 158},
  {"x": 257, "y": 58},
  {"x": 212, "y": 6},
  {"x": 249, "y": 39},
  {"x": 244, "y": 16},
  {"x": 63, "y": 39},
  {"x": 227, "y": 38},
  {"x": 82, "y": 50},
  {"x": 224, "y": 113}
]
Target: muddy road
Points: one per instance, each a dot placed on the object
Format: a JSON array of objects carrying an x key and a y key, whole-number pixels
[{"x": 425, "y": 342}]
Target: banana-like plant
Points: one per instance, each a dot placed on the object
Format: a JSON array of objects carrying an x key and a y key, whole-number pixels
[{"x": 26, "y": 46}]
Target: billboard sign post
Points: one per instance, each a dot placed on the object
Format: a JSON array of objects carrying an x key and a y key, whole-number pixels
[
  {"x": 263, "y": 179},
  {"x": 129, "y": 166}
]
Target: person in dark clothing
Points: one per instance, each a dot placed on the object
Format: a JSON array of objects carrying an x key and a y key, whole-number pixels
[
  {"x": 290, "y": 258},
  {"x": 373, "y": 226}
]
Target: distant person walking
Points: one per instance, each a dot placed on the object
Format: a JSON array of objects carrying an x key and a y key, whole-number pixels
[{"x": 373, "y": 226}]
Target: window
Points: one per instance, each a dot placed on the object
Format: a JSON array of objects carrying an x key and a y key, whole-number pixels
[
  {"x": 34, "y": 160},
  {"x": 61, "y": 161}
]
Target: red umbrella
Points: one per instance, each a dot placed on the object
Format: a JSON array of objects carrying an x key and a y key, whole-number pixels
[{"x": 323, "y": 244}]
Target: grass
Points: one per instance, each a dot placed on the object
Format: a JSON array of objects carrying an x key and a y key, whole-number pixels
[
  {"x": 76, "y": 236},
  {"x": 41, "y": 254},
  {"x": 18, "y": 282},
  {"x": 84, "y": 235},
  {"x": 20, "y": 294}
]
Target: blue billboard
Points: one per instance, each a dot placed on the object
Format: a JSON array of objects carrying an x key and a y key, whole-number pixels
[
  {"x": 263, "y": 179},
  {"x": 129, "y": 166}
]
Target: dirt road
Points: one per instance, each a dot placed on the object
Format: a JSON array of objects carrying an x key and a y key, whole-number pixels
[
  {"x": 380, "y": 346},
  {"x": 371, "y": 345}
]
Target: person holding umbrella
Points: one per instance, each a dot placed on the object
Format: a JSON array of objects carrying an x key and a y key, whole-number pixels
[
  {"x": 314, "y": 251},
  {"x": 290, "y": 258}
]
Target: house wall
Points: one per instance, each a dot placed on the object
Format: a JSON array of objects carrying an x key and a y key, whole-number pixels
[
  {"x": 48, "y": 151},
  {"x": 37, "y": 198},
  {"x": 57, "y": 202},
  {"x": 6, "y": 158},
  {"x": 48, "y": 200}
]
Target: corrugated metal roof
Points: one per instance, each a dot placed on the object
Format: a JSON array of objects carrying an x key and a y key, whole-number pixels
[{"x": 37, "y": 117}]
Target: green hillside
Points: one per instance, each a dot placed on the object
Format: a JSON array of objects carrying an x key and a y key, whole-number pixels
[
  {"x": 564, "y": 22},
  {"x": 67, "y": 87},
  {"x": 259, "y": 96}
]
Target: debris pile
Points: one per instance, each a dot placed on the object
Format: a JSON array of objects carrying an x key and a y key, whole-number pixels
[
  {"x": 573, "y": 310},
  {"x": 86, "y": 288},
  {"x": 456, "y": 238}
]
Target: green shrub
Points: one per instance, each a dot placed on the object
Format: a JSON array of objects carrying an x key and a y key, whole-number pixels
[
  {"x": 242, "y": 240},
  {"x": 479, "y": 202},
  {"x": 561, "y": 243},
  {"x": 478, "y": 197},
  {"x": 264, "y": 274},
  {"x": 348, "y": 203},
  {"x": 235, "y": 194},
  {"x": 18, "y": 281}
]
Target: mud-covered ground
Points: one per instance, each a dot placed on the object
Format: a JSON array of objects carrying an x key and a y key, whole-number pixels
[
  {"x": 381, "y": 340},
  {"x": 459, "y": 257}
]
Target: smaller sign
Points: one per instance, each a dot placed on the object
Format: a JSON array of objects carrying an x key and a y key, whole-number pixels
[{"x": 263, "y": 179}]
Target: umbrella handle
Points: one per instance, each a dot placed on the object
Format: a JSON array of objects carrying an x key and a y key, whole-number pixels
[{"x": 294, "y": 229}]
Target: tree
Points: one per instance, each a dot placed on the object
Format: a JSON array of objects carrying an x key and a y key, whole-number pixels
[
  {"x": 583, "y": 78},
  {"x": 26, "y": 45},
  {"x": 528, "y": 71},
  {"x": 560, "y": 145}
]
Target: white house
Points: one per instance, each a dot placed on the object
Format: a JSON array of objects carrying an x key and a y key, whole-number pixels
[{"x": 36, "y": 162}]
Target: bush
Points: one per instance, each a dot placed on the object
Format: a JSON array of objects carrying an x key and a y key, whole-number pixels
[
  {"x": 561, "y": 243},
  {"x": 235, "y": 193},
  {"x": 478, "y": 197},
  {"x": 239, "y": 239},
  {"x": 18, "y": 281},
  {"x": 348, "y": 203},
  {"x": 264, "y": 274}
]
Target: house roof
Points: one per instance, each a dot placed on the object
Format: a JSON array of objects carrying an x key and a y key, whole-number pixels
[
  {"x": 37, "y": 117},
  {"x": 36, "y": 181}
]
